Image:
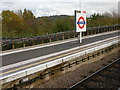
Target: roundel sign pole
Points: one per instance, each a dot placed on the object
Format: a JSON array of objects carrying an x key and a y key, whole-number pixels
[{"x": 80, "y": 23}]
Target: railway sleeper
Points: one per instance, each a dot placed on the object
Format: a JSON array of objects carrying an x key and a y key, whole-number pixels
[
  {"x": 108, "y": 70},
  {"x": 91, "y": 72},
  {"x": 111, "y": 82},
  {"x": 102, "y": 83},
  {"x": 109, "y": 61},
  {"x": 116, "y": 71},
  {"x": 113, "y": 69},
  {"x": 114, "y": 75},
  {"x": 93, "y": 84},
  {"x": 110, "y": 76},
  {"x": 97, "y": 80},
  {"x": 116, "y": 67},
  {"x": 85, "y": 86}
]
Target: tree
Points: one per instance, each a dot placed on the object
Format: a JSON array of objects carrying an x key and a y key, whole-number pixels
[
  {"x": 11, "y": 21},
  {"x": 28, "y": 15},
  {"x": 62, "y": 25}
]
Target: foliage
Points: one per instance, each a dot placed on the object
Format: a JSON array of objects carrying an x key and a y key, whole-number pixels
[
  {"x": 25, "y": 24},
  {"x": 104, "y": 19}
]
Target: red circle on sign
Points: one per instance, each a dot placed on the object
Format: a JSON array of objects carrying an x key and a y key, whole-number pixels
[{"x": 81, "y": 27}]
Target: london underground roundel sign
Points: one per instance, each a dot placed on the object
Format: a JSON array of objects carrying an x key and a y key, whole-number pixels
[{"x": 80, "y": 22}]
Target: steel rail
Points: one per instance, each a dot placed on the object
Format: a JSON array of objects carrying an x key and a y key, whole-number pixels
[{"x": 92, "y": 75}]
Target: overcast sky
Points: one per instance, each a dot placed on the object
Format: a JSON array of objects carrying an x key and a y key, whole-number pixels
[{"x": 60, "y": 7}]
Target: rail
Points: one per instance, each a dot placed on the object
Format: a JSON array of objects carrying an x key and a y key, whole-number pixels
[{"x": 92, "y": 75}]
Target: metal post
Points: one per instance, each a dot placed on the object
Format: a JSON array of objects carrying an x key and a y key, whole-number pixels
[
  {"x": 80, "y": 32},
  {"x": 80, "y": 37}
]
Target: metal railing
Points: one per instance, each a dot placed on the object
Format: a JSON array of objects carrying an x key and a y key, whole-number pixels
[{"x": 13, "y": 43}]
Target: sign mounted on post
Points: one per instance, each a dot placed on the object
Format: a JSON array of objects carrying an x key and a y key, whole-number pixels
[{"x": 80, "y": 21}]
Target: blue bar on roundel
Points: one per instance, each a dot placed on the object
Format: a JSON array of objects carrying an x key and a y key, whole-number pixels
[{"x": 81, "y": 22}]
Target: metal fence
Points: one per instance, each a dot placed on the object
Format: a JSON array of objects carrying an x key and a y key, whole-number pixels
[{"x": 13, "y": 43}]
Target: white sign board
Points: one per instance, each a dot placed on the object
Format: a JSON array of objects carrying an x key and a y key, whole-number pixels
[{"x": 80, "y": 22}]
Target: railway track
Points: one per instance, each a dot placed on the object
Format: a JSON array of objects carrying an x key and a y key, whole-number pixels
[
  {"x": 106, "y": 77},
  {"x": 61, "y": 68}
]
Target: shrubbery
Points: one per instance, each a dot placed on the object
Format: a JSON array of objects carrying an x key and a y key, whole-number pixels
[{"x": 25, "y": 24}]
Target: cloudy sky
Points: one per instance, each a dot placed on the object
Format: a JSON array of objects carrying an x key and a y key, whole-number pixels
[{"x": 60, "y": 7}]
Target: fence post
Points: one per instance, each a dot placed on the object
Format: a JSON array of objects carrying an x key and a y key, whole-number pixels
[
  {"x": 33, "y": 42},
  {"x": 13, "y": 46},
  {"x": 50, "y": 39},
  {"x": 57, "y": 37},
  {"x": 24, "y": 43},
  {"x": 63, "y": 36},
  {"x": 42, "y": 41},
  {"x": 87, "y": 33},
  {"x": 74, "y": 34},
  {"x": 98, "y": 31},
  {"x": 68, "y": 35}
]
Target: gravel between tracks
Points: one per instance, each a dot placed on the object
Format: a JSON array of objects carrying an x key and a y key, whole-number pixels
[{"x": 76, "y": 73}]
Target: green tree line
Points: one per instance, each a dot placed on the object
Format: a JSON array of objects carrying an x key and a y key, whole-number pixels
[{"x": 25, "y": 24}]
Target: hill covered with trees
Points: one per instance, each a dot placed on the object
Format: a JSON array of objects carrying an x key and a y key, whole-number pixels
[{"x": 25, "y": 24}]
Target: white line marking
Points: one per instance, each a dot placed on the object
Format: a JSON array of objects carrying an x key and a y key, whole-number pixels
[
  {"x": 50, "y": 55},
  {"x": 27, "y": 70}
]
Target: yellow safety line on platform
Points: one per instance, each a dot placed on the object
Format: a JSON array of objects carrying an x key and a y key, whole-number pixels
[{"x": 50, "y": 59}]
